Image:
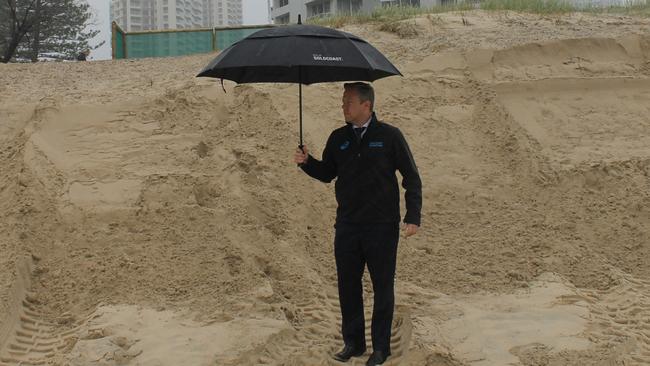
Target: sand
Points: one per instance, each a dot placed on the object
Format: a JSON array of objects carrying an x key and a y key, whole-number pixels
[{"x": 149, "y": 218}]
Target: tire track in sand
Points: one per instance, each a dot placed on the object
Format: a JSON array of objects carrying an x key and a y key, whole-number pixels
[
  {"x": 317, "y": 337},
  {"x": 26, "y": 338}
]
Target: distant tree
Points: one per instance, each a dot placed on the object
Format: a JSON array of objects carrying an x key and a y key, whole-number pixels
[
  {"x": 62, "y": 30},
  {"x": 16, "y": 19},
  {"x": 45, "y": 27}
]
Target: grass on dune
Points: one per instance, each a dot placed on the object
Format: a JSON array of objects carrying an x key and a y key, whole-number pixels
[{"x": 390, "y": 15}]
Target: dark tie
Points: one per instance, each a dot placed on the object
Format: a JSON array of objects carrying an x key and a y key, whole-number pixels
[{"x": 359, "y": 132}]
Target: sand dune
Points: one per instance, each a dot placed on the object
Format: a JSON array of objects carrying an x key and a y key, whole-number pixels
[{"x": 149, "y": 218}]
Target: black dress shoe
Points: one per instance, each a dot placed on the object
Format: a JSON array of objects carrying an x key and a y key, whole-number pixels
[
  {"x": 377, "y": 358},
  {"x": 347, "y": 352}
]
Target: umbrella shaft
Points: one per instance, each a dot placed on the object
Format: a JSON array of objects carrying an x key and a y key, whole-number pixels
[{"x": 300, "y": 111}]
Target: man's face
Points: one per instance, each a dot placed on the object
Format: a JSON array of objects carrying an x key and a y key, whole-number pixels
[{"x": 353, "y": 109}]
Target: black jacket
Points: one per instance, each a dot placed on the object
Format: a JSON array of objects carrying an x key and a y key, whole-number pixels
[{"x": 366, "y": 188}]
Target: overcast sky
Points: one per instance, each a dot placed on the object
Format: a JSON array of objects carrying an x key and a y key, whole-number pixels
[{"x": 255, "y": 12}]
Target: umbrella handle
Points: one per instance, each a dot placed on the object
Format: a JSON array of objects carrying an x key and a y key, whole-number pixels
[{"x": 301, "y": 147}]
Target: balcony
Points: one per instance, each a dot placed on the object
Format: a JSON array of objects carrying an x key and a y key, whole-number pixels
[{"x": 318, "y": 8}]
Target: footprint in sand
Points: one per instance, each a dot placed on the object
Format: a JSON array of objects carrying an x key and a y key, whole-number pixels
[
  {"x": 318, "y": 337},
  {"x": 622, "y": 318}
]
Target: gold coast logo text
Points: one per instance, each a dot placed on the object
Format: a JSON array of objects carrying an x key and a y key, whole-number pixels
[{"x": 318, "y": 57}]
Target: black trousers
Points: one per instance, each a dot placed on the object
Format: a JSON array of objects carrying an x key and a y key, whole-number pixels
[{"x": 356, "y": 245}]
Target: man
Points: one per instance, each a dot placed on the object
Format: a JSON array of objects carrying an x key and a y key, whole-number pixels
[{"x": 363, "y": 156}]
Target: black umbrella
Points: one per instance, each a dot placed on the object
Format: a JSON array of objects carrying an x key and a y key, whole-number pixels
[{"x": 303, "y": 54}]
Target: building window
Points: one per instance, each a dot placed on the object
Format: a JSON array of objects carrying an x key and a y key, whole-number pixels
[
  {"x": 414, "y": 3},
  {"x": 350, "y": 6},
  {"x": 318, "y": 9}
]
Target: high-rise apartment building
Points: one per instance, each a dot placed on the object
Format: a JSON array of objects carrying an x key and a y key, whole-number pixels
[
  {"x": 223, "y": 13},
  {"x": 133, "y": 15},
  {"x": 287, "y": 11},
  {"x": 139, "y": 15},
  {"x": 178, "y": 14}
]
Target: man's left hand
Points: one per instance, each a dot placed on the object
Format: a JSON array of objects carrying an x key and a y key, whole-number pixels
[{"x": 409, "y": 229}]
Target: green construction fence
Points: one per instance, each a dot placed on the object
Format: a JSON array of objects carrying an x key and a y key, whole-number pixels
[{"x": 176, "y": 42}]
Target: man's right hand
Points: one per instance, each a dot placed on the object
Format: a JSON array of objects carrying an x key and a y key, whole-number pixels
[{"x": 301, "y": 156}]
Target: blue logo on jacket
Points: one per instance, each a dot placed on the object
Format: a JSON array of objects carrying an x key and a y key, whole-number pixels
[
  {"x": 345, "y": 145},
  {"x": 376, "y": 144}
]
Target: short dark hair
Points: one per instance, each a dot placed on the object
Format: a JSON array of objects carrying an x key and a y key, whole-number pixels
[{"x": 364, "y": 91}]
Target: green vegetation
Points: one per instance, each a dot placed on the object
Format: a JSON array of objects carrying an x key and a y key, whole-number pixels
[
  {"x": 54, "y": 28},
  {"x": 638, "y": 7},
  {"x": 530, "y": 6},
  {"x": 388, "y": 16},
  {"x": 630, "y": 7}
]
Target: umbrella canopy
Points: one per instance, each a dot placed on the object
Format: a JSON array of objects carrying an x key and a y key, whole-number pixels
[{"x": 303, "y": 54}]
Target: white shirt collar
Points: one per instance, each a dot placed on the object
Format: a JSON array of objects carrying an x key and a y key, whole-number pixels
[{"x": 365, "y": 124}]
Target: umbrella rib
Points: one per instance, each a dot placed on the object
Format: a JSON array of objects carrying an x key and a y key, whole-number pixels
[{"x": 362, "y": 53}]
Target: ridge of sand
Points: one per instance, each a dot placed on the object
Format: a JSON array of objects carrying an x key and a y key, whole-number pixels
[{"x": 142, "y": 194}]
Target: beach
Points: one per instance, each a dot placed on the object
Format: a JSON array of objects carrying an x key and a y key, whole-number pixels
[{"x": 147, "y": 217}]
